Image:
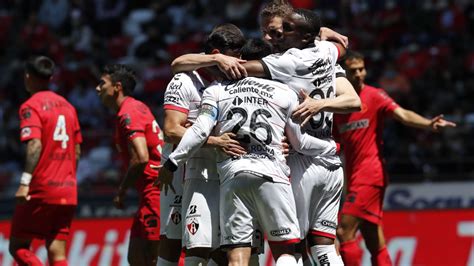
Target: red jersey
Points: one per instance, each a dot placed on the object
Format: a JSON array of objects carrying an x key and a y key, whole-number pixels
[
  {"x": 50, "y": 118},
  {"x": 134, "y": 119},
  {"x": 360, "y": 135}
]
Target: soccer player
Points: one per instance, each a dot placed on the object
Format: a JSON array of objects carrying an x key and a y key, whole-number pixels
[
  {"x": 201, "y": 180},
  {"x": 47, "y": 195},
  {"x": 360, "y": 135},
  {"x": 139, "y": 141},
  {"x": 259, "y": 112},
  {"x": 310, "y": 66}
]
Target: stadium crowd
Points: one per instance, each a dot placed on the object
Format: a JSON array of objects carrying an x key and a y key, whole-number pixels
[{"x": 420, "y": 51}]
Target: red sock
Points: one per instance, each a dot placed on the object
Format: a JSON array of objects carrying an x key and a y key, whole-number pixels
[
  {"x": 24, "y": 257},
  {"x": 381, "y": 258},
  {"x": 59, "y": 263},
  {"x": 351, "y": 253}
]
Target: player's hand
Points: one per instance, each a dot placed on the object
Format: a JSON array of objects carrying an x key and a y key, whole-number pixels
[
  {"x": 229, "y": 145},
  {"x": 21, "y": 195},
  {"x": 307, "y": 109},
  {"x": 327, "y": 34},
  {"x": 286, "y": 146},
  {"x": 231, "y": 66},
  {"x": 119, "y": 198},
  {"x": 438, "y": 122},
  {"x": 165, "y": 179},
  {"x": 188, "y": 124}
]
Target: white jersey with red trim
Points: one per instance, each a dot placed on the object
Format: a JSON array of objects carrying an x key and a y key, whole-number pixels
[
  {"x": 184, "y": 93},
  {"x": 313, "y": 70},
  {"x": 259, "y": 112}
]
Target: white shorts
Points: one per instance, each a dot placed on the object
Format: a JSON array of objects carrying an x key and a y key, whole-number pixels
[
  {"x": 201, "y": 206},
  {"x": 170, "y": 208},
  {"x": 317, "y": 189},
  {"x": 248, "y": 200}
]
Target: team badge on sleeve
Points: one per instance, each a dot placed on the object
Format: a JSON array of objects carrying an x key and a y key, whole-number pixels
[{"x": 25, "y": 132}]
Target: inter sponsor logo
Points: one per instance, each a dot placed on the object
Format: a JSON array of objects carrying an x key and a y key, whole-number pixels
[
  {"x": 364, "y": 123},
  {"x": 280, "y": 232},
  {"x": 329, "y": 224},
  {"x": 250, "y": 100}
]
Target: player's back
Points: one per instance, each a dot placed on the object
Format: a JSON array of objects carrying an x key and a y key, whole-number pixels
[
  {"x": 312, "y": 70},
  {"x": 52, "y": 119},
  {"x": 256, "y": 110}
]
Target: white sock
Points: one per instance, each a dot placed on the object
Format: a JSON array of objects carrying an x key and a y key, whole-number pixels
[
  {"x": 194, "y": 261},
  {"x": 163, "y": 262},
  {"x": 326, "y": 255},
  {"x": 254, "y": 260},
  {"x": 286, "y": 260},
  {"x": 211, "y": 262}
]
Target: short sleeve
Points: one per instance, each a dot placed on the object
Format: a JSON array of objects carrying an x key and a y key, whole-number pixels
[
  {"x": 211, "y": 94},
  {"x": 280, "y": 67},
  {"x": 340, "y": 72},
  {"x": 30, "y": 123},
  {"x": 131, "y": 125},
  {"x": 386, "y": 104},
  {"x": 177, "y": 95}
]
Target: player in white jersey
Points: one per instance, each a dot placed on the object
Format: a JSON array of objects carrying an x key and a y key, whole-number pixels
[
  {"x": 199, "y": 195},
  {"x": 309, "y": 67},
  {"x": 255, "y": 187}
]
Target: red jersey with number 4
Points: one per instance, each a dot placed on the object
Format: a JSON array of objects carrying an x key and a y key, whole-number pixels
[
  {"x": 134, "y": 119},
  {"x": 360, "y": 135},
  {"x": 50, "y": 118}
]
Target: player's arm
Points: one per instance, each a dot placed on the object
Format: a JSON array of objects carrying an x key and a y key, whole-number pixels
[
  {"x": 306, "y": 144},
  {"x": 77, "y": 150},
  {"x": 33, "y": 153},
  {"x": 327, "y": 34},
  {"x": 174, "y": 128},
  {"x": 412, "y": 119},
  {"x": 346, "y": 101},
  {"x": 139, "y": 157},
  {"x": 190, "y": 143},
  {"x": 230, "y": 66}
]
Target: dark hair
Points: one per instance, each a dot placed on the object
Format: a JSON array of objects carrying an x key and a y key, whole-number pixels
[
  {"x": 123, "y": 74},
  {"x": 224, "y": 37},
  {"x": 256, "y": 49},
  {"x": 351, "y": 55},
  {"x": 312, "y": 21},
  {"x": 40, "y": 66},
  {"x": 276, "y": 8}
]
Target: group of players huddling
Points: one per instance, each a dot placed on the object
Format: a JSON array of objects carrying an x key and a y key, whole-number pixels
[{"x": 247, "y": 152}]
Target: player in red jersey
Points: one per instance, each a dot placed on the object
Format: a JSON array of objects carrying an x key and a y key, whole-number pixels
[
  {"x": 47, "y": 195},
  {"x": 139, "y": 141},
  {"x": 360, "y": 135}
]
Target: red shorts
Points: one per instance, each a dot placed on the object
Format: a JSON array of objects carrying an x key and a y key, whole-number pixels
[
  {"x": 146, "y": 223},
  {"x": 44, "y": 221},
  {"x": 365, "y": 202}
]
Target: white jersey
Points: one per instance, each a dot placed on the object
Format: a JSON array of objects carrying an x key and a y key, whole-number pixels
[
  {"x": 313, "y": 70},
  {"x": 258, "y": 111},
  {"x": 184, "y": 93}
]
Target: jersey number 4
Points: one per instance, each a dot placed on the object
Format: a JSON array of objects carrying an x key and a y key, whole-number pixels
[{"x": 60, "y": 133}]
